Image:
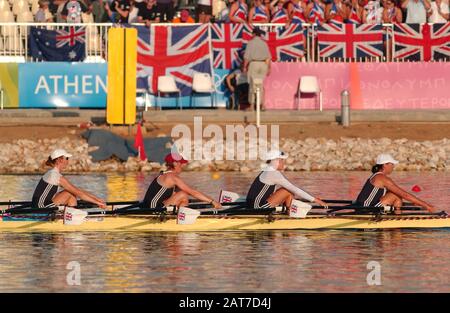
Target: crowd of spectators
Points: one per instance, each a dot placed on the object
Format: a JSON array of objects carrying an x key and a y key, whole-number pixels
[
  {"x": 235, "y": 11},
  {"x": 332, "y": 11},
  {"x": 112, "y": 11}
]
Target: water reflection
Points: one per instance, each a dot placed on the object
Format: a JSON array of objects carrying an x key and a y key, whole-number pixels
[{"x": 329, "y": 261}]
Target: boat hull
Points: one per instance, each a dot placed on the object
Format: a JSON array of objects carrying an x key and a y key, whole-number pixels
[{"x": 229, "y": 223}]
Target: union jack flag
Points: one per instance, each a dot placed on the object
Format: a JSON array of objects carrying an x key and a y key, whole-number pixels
[
  {"x": 226, "y": 45},
  {"x": 178, "y": 51},
  {"x": 259, "y": 14},
  {"x": 350, "y": 40},
  {"x": 336, "y": 19},
  {"x": 285, "y": 43},
  {"x": 280, "y": 16},
  {"x": 317, "y": 14},
  {"x": 354, "y": 18},
  {"x": 70, "y": 37},
  {"x": 414, "y": 42}
]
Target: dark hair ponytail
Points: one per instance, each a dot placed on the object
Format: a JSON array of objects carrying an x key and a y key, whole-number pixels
[
  {"x": 50, "y": 162},
  {"x": 376, "y": 168}
]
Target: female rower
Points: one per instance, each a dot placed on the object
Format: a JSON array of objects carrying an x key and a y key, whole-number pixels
[
  {"x": 46, "y": 193},
  {"x": 270, "y": 188},
  {"x": 161, "y": 192},
  {"x": 380, "y": 190}
]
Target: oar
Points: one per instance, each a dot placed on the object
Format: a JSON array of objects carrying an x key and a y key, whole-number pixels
[
  {"x": 360, "y": 207},
  {"x": 337, "y": 201},
  {"x": 28, "y": 210},
  {"x": 15, "y": 202}
]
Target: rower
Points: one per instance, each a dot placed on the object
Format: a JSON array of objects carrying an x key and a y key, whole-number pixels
[
  {"x": 161, "y": 192},
  {"x": 380, "y": 190},
  {"x": 46, "y": 194},
  {"x": 271, "y": 188}
]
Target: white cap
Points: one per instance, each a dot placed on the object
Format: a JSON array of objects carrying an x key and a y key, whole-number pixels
[
  {"x": 386, "y": 158},
  {"x": 276, "y": 154},
  {"x": 59, "y": 153}
]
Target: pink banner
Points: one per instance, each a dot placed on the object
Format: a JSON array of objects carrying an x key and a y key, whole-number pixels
[{"x": 424, "y": 85}]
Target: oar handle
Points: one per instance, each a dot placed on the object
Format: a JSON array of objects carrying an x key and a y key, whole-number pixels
[{"x": 359, "y": 207}]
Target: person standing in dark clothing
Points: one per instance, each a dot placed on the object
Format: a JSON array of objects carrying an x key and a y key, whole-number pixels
[
  {"x": 165, "y": 10},
  {"x": 119, "y": 7}
]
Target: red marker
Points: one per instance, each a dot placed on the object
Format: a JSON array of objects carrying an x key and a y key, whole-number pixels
[{"x": 416, "y": 188}]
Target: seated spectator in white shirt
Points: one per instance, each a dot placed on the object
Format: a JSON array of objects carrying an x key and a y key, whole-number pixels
[
  {"x": 440, "y": 11},
  {"x": 43, "y": 14},
  {"x": 416, "y": 11}
]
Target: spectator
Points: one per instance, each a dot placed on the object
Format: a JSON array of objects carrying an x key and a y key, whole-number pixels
[
  {"x": 58, "y": 7},
  {"x": 257, "y": 60},
  {"x": 118, "y": 10},
  {"x": 165, "y": 10},
  {"x": 218, "y": 7},
  {"x": 416, "y": 11},
  {"x": 392, "y": 13},
  {"x": 296, "y": 10},
  {"x": 43, "y": 14},
  {"x": 359, "y": 5},
  {"x": 440, "y": 11},
  {"x": 315, "y": 11},
  {"x": 237, "y": 83},
  {"x": 336, "y": 12},
  {"x": 268, "y": 7},
  {"x": 372, "y": 13},
  {"x": 258, "y": 13},
  {"x": 224, "y": 13},
  {"x": 278, "y": 12},
  {"x": 239, "y": 12},
  {"x": 148, "y": 12},
  {"x": 184, "y": 17},
  {"x": 354, "y": 12},
  {"x": 134, "y": 11},
  {"x": 204, "y": 10},
  {"x": 72, "y": 11},
  {"x": 99, "y": 11}
]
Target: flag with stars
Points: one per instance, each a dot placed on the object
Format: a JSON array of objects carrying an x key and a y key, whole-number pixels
[{"x": 63, "y": 45}]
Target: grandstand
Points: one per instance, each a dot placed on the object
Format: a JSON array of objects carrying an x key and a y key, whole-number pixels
[{"x": 304, "y": 43}]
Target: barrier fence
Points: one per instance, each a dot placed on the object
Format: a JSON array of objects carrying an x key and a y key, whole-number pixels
[{"x": 14, "y": 42}]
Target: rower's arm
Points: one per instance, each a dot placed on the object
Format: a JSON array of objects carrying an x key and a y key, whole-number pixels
[
  {"x": 279, "y": 179},
  {"x": 82, "y": 194},
  {"x": 392, "y": 187},
  {"x": 196, "y": 194}
]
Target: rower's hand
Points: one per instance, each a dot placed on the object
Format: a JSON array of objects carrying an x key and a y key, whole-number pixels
[
  {"x": 431, "y": 209},
  {"x": 216, "y": 205},
  {"x": 318, "y": 201},
  {"x": 101, "y": 204}
]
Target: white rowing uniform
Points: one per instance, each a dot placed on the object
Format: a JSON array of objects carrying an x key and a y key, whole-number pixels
[
  {"x": 46, "y": 189},
  {"x": 269, "y": 181}
]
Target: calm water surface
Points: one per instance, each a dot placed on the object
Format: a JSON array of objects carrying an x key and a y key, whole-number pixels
[{"x": 276, "y": 261}]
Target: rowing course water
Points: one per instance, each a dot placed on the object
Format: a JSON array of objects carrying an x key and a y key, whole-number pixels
[{"x": 278, "y": 261}]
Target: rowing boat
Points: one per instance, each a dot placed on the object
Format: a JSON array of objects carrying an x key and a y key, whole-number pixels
[{"x": 169, "y": 223}]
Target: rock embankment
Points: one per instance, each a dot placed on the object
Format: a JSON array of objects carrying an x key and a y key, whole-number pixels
[{"x": 311, "y": 154}]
